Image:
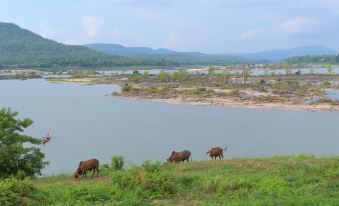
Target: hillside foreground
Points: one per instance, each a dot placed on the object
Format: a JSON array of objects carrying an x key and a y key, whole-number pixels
[{"x": 297, "y": 180}]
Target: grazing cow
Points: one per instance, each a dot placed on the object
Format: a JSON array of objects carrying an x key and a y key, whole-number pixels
[
  {"x": 179, "y": 156},
  {"x": 216, "y": 152},
  {"x": 87, "y": 165}
]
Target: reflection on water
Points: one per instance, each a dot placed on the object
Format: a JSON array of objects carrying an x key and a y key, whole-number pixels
[{"x": 87, "y": 122}]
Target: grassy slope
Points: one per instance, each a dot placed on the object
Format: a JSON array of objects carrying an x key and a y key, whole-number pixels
[{"x": 275, "y": 181}]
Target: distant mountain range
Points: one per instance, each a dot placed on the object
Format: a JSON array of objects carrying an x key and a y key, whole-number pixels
[
  {"x": 262, "y": 56},
  {"x": 21, "y": 48},
  {"x": 279, "y": 54},
  {"x": 118, "y": 49}
]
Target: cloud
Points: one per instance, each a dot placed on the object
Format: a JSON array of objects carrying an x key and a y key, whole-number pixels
[
  {"x": 296, "y": 25},
  {"x": 92, "y": 25},
  {"x": 250, "y": 33}
]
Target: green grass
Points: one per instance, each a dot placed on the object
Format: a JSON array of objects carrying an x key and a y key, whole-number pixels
[{"x": 298, "y": 180}]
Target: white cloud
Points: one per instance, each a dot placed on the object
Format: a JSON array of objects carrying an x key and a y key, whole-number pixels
[
  {"x": 250, "y": 33},
  {"x": 92, "y": 25},
  {"x": 296, "y": 25}
]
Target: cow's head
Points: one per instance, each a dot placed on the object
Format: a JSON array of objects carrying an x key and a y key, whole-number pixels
[
  {"x": 171, "y": 158},
  {"x": 77, "y": 173}
]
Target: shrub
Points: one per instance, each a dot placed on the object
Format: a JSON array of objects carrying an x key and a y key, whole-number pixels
[
  {"x": 327, "y": 84},
  {"x": 126, "y": 88},
  {"x": 148, "y": 166},
  {"x": 117, "y": 162},
  {"x": 14, "y": 192},
  {"x": 149, "y": 181},
  {"x": 235, "y": 93},
  {"x": 203, "y": 90}
]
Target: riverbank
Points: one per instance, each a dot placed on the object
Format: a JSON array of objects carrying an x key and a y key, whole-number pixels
[
  {"x": 297, "y": 180},
  {"x": 291, "y": 92},
  {"x": 230, "y": 103}
]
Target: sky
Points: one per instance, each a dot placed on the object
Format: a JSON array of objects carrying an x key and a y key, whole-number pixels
[{"x": 210, "y": 26}]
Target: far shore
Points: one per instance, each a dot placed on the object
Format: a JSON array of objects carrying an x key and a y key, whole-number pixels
[
  {"x": 209, "y": 101},
  {"x": 230, "y": 103}
]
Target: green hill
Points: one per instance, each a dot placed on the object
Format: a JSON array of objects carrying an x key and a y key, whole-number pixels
[
  {"x": 180, "y": 58},
  {"x": 22, "y": 48}
]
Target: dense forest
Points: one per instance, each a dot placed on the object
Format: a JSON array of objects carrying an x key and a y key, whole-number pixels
[{"x": 21, "y": 48}]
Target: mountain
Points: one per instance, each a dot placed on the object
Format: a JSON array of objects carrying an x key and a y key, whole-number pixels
[
  {"x": 279, "y": 54},
  {"x": 182, "y": 58},
  {"x": 21, "y": 48},
  {"x": 118, "y": 49}
]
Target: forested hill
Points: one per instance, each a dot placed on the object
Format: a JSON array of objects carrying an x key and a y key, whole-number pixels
[
  {"x": 25, "y": 49},
  {"x": 21, "y": 48},
  {"x": 180, "y": 58}
]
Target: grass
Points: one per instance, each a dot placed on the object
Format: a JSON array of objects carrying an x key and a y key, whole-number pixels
[{"x": 297, "y": 180}]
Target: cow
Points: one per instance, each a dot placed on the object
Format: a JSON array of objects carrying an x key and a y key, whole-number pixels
[
  {"x": 87, "y": 165},
  {"x": 216, "y": 152},
  {"x": 179, "y": 156}
]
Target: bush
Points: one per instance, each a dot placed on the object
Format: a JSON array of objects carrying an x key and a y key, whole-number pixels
[
  {"x": 117, "y": 162},
  {"x": 148, "y": 181},
  {"x": 235, "y": 93},
  {"x": 14, "y": 192},
  {"x": 148, "y": 166},
  {"x": 203, "y": 90},
  {"x": 126, "y": 88},
  {"x": 327, "y": 84}
]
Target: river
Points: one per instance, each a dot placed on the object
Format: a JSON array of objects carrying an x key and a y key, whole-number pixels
[{"x": 86, "y": 122}]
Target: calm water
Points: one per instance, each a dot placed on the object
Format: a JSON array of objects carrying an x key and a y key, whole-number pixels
[
  {"x": 86, "y": 122},
  {"x": 254, "y": 72},
  {"x": 333, "y": 94}
]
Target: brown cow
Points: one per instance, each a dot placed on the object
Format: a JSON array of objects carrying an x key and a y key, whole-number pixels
[
  {"x": 87, "y": 165},
  {"x": 179, "y": 156},
  {"x": 216, "y": 152}
]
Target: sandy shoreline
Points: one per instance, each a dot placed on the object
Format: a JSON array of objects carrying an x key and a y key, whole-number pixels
[
  {"x": 230, "y": 103},
  {"x": 214, "y": 101}
]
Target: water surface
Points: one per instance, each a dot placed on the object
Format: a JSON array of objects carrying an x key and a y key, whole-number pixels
[{"x": 87, "y": 122}]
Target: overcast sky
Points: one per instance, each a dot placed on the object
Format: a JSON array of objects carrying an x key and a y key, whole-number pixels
[{"x": 185, "y": 25}]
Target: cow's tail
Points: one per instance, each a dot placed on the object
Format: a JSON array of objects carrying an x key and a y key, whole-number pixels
[
  {"x": 225, "y": 148},
  {"x": 191, "y": 158}
]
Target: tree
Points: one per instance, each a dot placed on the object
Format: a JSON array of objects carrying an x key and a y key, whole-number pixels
[
  {"x": 330, "y": 69},
  {"x": 18, "y": 154},
  {"x": 245, "y": 74},
  {"x": 164, "y": 76}
]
